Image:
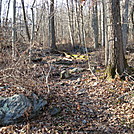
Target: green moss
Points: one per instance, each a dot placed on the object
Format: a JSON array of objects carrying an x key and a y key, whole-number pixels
[{"x": 110, "y": 72}]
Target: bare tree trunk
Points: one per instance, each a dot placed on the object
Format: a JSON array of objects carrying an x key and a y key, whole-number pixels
[
  {"x": 118, "y": 42},
  {"x": 32, "y": 31},
  {"x": 108, "y": 37},
  {"x": 132, "y": 19},
  {"x": 52, "y": 26},
  {"x": 0, "y": 10},
  {"x": 33, "y": 23},
  {"x": 25, "y": 20},
  {"x": 103, "y": 25},
  {"x": 95, "y": 25},
  {"x": 99, "y": 12},
  {"x": 0, "y": 25},
  {"x": 44, "y": 24},
  {"x": 14, "y": 31},
  {"x": 78, "y": 22},
  {"x": 82, "y": 27},
  {"x": 125, "y": 25},
  {"x": 72, "y": 18},
  {"x": 116, "y": 63},
  {"x": 89, "y": 22},
  {"x": 7, "y": 11},
  {"x": 70, "y": 25}
]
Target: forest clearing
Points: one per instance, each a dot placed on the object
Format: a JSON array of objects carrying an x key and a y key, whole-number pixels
[{"x": 67, "y": 67}]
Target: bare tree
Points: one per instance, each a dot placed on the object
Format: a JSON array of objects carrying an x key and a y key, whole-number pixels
[
  {"x": 52, "y": 26},
  {"x": 14, "y": 31},
  {"x": 95, "y": 25},
  {"x": 0, "y": 24},
  {"x": 33, "y": 23},
  {"x": 132, "y": 19},
  {"x": 78, "y": 21},
  {"x": 108, "y": 29},
  {"x": 103, "y": 24},
  {"x": 25, "y": 20},
  {"x": 0, "y": 10},
  {"x": 82, "y": 27},
  {"x": 116, "y": 62},
  {"x": 125, "y": 24},
  {"x": 70, "y": 24},
  {"x": 7, "y": 11}
]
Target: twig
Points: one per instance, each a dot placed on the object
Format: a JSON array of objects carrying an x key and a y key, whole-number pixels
[
  {"x": 89, "y": 65},
  {"x": 47, "y": 76},
  {"x": 131, "y": 77}
]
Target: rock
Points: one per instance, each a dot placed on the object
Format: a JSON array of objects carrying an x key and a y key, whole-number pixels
[
  {"x": 121, "y": 98},
  {"x": 81, "y": 92},
  {"x": 36, "y": 59},
  {"x": 4, "y": 87},
  {"x": 13, "y": 109},
  {"x": 37, "y": 103},
  {"x": 65, "y": 74},
  {"x": 84, "y": 121},
  {"x": 63, "y": 62},
  {"x": 54, "y": 111},
  {"x": 76, "y": 70},
  {"x": 68, "y": 73},
  {"x": 95, "y": 84}
]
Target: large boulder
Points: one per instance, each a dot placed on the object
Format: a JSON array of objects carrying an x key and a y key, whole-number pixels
[{"x": 14, "y": 109}]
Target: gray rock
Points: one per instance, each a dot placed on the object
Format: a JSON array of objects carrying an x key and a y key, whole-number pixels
[
  {"x": 13, "y": 109},
  {"x": 84, "y": 121},
  {"x": 63, "y": 62},
  {"x": 65, "y": 74},
  {"x": 54, "y": 111}
]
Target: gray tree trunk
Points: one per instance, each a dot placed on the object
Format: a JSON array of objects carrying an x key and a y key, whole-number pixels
[
  {"x": 116, "y": 61},
  {"x": 119, "y": 57},
  {"x": 33, "y": 23},
  {"x": 70, "y": 25},
  {"x": 25, "y": 20},
  {"x": 52, "y": 26},
  {"x": 0, "y": 25},
  {"x": 14, "y": 31},
  {"x": 132, "y": 19},
  {"x": 78, "y": 22},
  {"x": 108, "y": 28},
  {"x": 125, "y": 24},
  {"x": 0, "y": 10},
  {"x": 103, "y": 24},
  {"x": 82, "y": 28},
  {"x": 95, "y": 25},
  {"x": 7, "y": 11}
]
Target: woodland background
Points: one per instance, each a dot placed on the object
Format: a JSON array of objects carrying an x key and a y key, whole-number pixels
[{"x": 78, "y": 55}]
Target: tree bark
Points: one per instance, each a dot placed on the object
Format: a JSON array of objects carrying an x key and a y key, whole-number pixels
[
  {"x": 108, "y": 36},
  {"x": 78, "y": 22},
  {"x": 82, "y": 27},
  {"x": 132, "y": 19},
  {"x": 7, "y": 11},
  {"x": 0, "y": 25},
  {"x": 52, "y": 26},
  {"x": 33, "y": 23},
  {"x": 0, "y": 10},
  {"x": 116, "y": 62},
  {"x": 125, "y": 24},
  {"x": 103, "y": 24},
  {"x": 95, "y": 25},
  {"x": 70, "y": 25},
  {"x": 14, "y": 31},
  {"x": 25, "y": 20}
]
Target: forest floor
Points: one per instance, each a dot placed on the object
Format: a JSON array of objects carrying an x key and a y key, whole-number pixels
[{"x": 84, "y": 103}]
